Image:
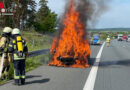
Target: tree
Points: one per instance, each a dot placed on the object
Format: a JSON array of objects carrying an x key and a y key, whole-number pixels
[
  {"x": 25, "y": 15},
  {"x": 31, "y": 13},
  {"x": 23, "y": 10},
  {"x": 6, "y": 20},
  {"x": 45, "y": 19},
  {"x": 49, "y": 22}
]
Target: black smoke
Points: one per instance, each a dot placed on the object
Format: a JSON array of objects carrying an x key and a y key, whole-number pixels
[{"x": 90, "y": 11}]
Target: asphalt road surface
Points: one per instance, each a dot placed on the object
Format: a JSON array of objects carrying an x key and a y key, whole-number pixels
[{"x": 111, "y": 71}]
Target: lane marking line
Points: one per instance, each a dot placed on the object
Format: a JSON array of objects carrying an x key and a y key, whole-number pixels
[{"x": 90, "y": 82}]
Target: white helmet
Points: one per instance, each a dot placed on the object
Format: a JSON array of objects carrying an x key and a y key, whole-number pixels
[
  {"x": 7, "y": 30},
  {"x": 15, "y": 31}
]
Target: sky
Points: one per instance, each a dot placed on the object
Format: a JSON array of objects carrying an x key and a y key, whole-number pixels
[{"x": 117, "y": 16}]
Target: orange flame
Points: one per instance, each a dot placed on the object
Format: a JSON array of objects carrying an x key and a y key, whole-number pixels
[{"x": 71, "y": 42}]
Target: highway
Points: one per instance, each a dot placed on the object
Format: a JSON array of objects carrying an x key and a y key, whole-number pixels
[{"x": 111, "y": 71}]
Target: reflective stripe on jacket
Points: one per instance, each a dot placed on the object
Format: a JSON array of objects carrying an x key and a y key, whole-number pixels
[{"x": 13, "y": 49}]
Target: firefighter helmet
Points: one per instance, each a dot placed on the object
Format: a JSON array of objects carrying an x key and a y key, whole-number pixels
[
  {"x": 15, "y": 31},
  {"x": 7, "y": 30}
]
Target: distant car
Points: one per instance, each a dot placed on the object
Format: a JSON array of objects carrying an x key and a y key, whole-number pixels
[
  {"x": 128, "y": 38},
  {"x": 96, "y": 40},
  {"x": 124, "y": 38},
  {"x": 119, "y": 37}
]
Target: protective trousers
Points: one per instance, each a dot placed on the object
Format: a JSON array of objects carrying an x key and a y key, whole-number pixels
[{"x": 19, "y": 71}]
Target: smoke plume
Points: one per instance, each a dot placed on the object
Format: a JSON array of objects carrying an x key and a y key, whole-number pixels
[
  {"x": 71, "y": 44},
  {"x": 90, "y": 11}
]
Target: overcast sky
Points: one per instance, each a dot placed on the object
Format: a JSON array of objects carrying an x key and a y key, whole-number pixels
[{"x": 118, "y": 15}]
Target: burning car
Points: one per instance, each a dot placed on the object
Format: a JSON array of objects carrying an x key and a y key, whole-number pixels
[{"x": 71, "y": 48}]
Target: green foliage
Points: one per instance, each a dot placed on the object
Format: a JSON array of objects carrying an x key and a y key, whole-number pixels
[
  {"x": 33, "y": 62},
  {"x": 36, "y": 41},
  {"x": 11, "y": 71},
  {"x": 31, "y": 13},
  {"x": 43, "y": 11},
  {"x": 26, "y": 17},
  {"x": 47, "y": 25},
  {"x": 49, "y": 22},
  {"x": 45, "y": 19},
  {"x": 23, "y": 13}
]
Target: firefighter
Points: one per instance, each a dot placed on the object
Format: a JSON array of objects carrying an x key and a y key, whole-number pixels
[
  {"x": 91, "y": 41},
  {"x": 4, "y": 43},
  {"x": 18, "y": 52},
  {"x": 108, "y": 41}
]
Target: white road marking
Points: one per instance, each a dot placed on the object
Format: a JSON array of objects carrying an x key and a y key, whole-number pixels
[{"x": 90, "y": 83}]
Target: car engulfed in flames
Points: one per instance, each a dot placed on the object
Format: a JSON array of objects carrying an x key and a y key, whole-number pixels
[{"x": 71, "y": 48}]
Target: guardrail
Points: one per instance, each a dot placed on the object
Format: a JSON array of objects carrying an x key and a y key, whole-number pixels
[{"x": 38, "y": 52}]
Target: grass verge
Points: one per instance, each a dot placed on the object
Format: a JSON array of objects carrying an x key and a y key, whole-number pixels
[{"x": 36, "y": 41}]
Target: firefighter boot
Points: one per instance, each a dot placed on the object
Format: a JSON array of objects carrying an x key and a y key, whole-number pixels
[
  {"x": 22, "y": 81},
  {"x": 16, "y": 82}
]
